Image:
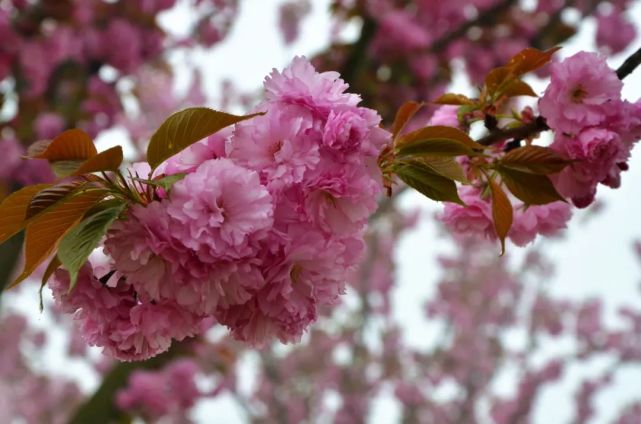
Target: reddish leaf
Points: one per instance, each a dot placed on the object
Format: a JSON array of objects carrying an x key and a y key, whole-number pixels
[
  {"x": 13, "y": 210},
  {"x": 109, "y": 160},
  {"x": 454, "y": 99},
  {"x": 404, "y": 115},
  {"x": 529, "y": 60},
  {"x": 44, "y": 232},
  {"x": 71, "y": 145},
  {"x": 532, "y": 189},
  {"x": 535, "y": 160},
  {"x": 496, "y": 78},
  {"x": 50, "y": 196},
  {"x": 502, "y": 212}
]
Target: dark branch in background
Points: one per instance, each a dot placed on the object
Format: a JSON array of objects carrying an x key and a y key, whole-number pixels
[
  {"x": 630, "y": 64},
  {"x": 485, "y": 18}
]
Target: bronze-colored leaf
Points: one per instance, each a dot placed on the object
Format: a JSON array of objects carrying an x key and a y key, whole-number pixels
[
  {"x": 404, "y": 115},
  {"x": 71, "y": 145},
  {"x": 43, "y": 233},
  {"x": 184, "y": 128},
  {"x": 454, "y": 99},
  {"x": 535, "y": 160},
  {"x": 529, "y": 60},
  {"x": 13, "y": 210},
  {"x": 51, "y": 195},
  {"x": 496, "y": 78},
  {"x": 502, "y": 212},
  {"x": 518, "y": 88},
  {"x": 423, "y": 179},
  {"x": 531, "y": 189},
  {"x": 109, "y": 160}
]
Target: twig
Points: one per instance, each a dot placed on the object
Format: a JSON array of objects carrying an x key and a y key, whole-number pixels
[{"x": 630, "y": 64}]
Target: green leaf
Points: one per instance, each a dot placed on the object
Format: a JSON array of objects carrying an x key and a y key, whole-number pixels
[
  {"x": 422, "y": 178},
  {"x": 81, "y": 240},
  {"x": 502, "y": 213},
  {"x": 437, "y": 141},
  {"x": 184, "y": 128},
  {"x": 445, "y": 166},
  {"x": 13, "y": 210},
  {"x": 166, "y": 182},
  {"x": 532, "y": 189},
  {"x": 535, "y": 160}
]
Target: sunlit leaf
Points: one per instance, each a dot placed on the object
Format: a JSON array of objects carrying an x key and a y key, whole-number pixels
[
  {"x": 532, "y": 189},
  {"x": 44, "y": 231},
  {"x": 535, "y": 160},
  {"x": 404, "y": 115},
  {"x": 423, "y": 179},
  {"x": 529, "y": 60},
  {"x": 502, "y": 212},
  {"x": 184, "y": 128},
  {"x": 80, "y": 241},
  {"x": 109, "y": 160},
  {"x": 13, "y": 210},
  {"x": 71, "y": 145}
]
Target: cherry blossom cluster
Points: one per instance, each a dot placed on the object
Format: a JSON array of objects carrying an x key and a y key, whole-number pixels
[
  {"x": 594, "y": 127},
  {"x": 262, "y": 231}
]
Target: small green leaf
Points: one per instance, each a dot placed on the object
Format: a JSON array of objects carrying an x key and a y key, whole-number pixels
[
  {"x": 532, "y": 189},
  {"x": 447, "y": 167},
  {"x": 423, "y": 179},
  {"x": 535, "y": 160},
  {"x": 166, "y": 182},
  {"x": 81, "y": 240},
  {"x": 184, "y": 128}
]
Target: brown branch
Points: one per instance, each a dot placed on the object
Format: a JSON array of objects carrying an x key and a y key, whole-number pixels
[
  {"x": 630, "y": 64},
  {"x": 522, "y": 132}
]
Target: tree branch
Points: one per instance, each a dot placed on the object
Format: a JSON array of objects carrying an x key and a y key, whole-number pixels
[{"x": 630, "y": 64}]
